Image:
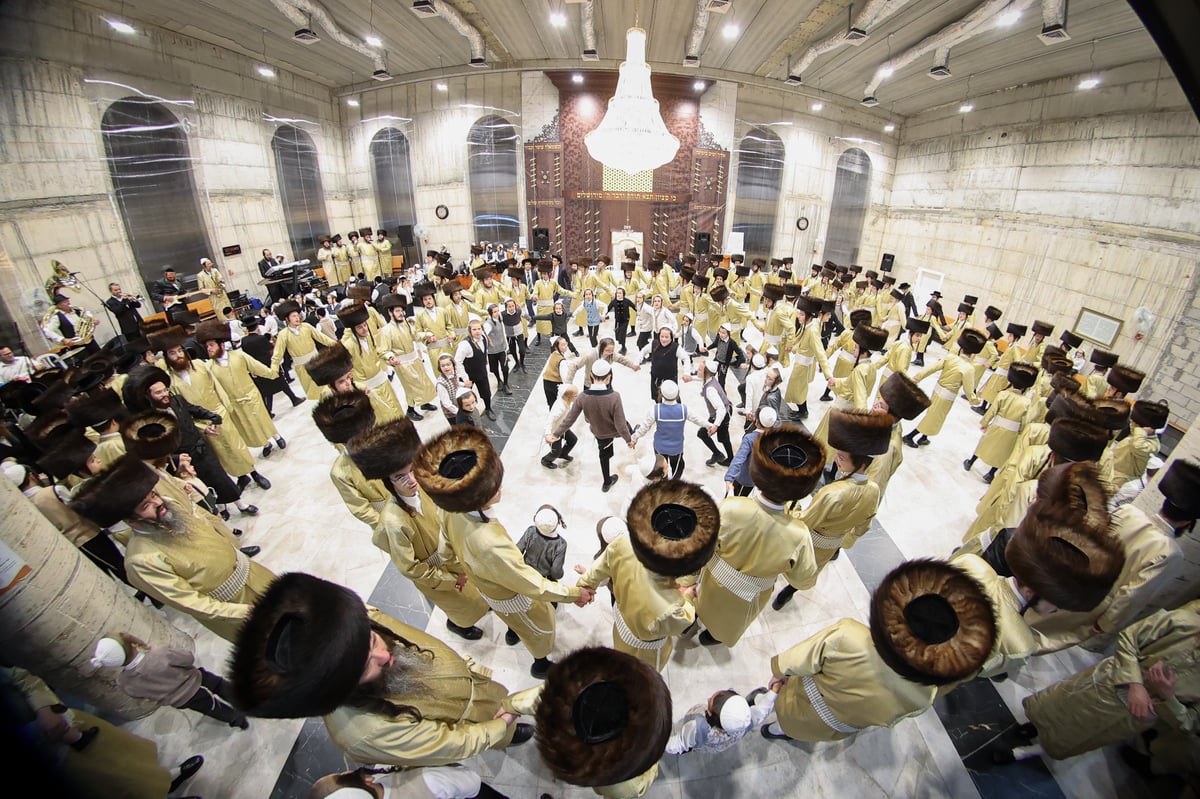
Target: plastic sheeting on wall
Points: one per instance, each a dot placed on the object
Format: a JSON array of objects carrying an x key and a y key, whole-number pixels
[
  {"x": 756, "y": 196},
  {"x": 851, "y": 196}
]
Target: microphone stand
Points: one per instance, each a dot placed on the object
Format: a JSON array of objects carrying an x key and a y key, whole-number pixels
[{"x": 111, "y": 321}]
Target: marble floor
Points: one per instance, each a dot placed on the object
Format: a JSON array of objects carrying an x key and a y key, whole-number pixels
[{"x": 303, "y": 526}]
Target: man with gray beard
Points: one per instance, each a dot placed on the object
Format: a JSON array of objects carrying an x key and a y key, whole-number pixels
[
  {"x": 389, "y": 693},
  {"x": 174, "y": 554}
]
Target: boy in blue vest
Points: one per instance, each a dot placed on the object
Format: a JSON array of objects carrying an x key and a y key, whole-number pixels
[{"x": 667, "y": 418}]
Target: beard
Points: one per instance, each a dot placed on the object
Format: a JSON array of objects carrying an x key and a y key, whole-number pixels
[
  {"x": 169, "y": 521},
  {"x": 402, "y": 677}
]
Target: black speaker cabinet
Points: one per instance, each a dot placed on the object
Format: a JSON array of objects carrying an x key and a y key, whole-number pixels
[
  {"x": 541, "y": 239},
  {"x": 887, "y": 263},
  {"x": 405, "y": 233},
  {"x": 702, "y": 243}
]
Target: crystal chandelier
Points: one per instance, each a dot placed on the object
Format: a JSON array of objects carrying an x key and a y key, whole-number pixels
[{"x": 632, "y": 136}]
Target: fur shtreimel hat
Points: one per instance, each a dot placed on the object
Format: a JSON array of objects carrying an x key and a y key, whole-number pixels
[
  {"x": 1074, "y": 495},
  {"x": 772, "y": 292},
  {"x": 423, "y": 289},
  {"x": 860, "y": 432},
  {"x": 134, "y": 393},
  {"x": 1042, "y": 328},
  {"x": 1104, "y": 359},
  {"x": 870, "y": 339},
  {"x": 286, "y": 308},
  {"x": 1114, "y": 413},
  {"x": 113, "y": 494},
  {"x": 1076, "y": 440},
  {"x": 45, "y": 428},
  {"x": 1022, "y": 375},
  {"x": 163, "y": 340},
  {"x": 391, "y": 301},
  {"x": 96, "y": 408},
  {"x": 340, "y": 417},
  {"x": 1071, "y": 340},
  {"x": 1072, "y": 405},
  {"x": 302, "y": 649},
  {"x": 904, "y": 398},
  {"x": 931, "y": 623},
  {"x": 1017, "y": 331},
  {"x": 971, "y": 342},
  {"x": 1063, "y": 384},
  {"x": 213, "y": 330},
  {"x": 150, "y": 435},
  {"x": 992, "y": 313},
  {"x": 384, "y": 449},
  {"x": 604, "y": 717},
  {"x": 352, "y": 316},
  {"x": 1146, "y": 413},
  {"x": 786, "y": 463},
  {"x": 450, "y": 287},
  {"x": 1181, "y": 486},
  {"x": 916, "y": 325},
  {"x": 863, "y": 317},
  {"x": 1070, "y": 569},
  {"x": 1125, "y": 380},
  {"x": 330, "y": 364},
  {"x": 719, "y": 294},
  {"x": 67, "y": 456},
  {"x": 673, "y": 527},
  {"x": 460, "y": 470}
]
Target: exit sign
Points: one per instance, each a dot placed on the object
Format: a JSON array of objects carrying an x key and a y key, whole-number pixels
[{"x": 232, "y": 249}]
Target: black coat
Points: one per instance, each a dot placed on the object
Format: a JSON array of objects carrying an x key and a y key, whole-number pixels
[{"x": 126, "y": 314}]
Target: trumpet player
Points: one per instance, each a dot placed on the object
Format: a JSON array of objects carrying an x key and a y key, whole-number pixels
[
  {"x": 124, "y": 309},
  {"x": 65, "y": 326}
]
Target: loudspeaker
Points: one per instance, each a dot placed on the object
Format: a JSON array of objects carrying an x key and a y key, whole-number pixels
[
  {"x": 541, "y": 239},
  {"x": 405, "y": 233},
  {"x": 888, "y": 261},
  {"x": 702, "y": 243}
]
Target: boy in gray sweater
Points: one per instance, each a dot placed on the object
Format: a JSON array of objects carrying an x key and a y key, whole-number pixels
[{"x": 544, "y": 549}]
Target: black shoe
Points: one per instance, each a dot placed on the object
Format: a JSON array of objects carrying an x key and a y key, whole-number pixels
[
  {"x": 186, "y": 769},
  {"x": 766, "y": 733},
  {"x": 980, "y": 409},
  {"x": 242, "y": 723},
  {"x": 271, "y": 415},
  {"x": 243, "y": 482},
  {"x": 707, "y": 639},
  {"x": 412, "y": 414},
  {"x": 297, "y": 401},
  {"x": 919, "y": 360},
  {"x": 826, "y": 397},
  {"x": 85, "y": 738},
  {"x": 549, "y": 464},
  {"x": 470, "y": 633},
  {"x": 802, "y": 411},
  {"x": 511, "y": 638},
  {"x": 1003, "y": 757},
  {"x": 268, "y": 449},
  {"x": 910, "y": 440},
  {"x": 489, "y": 413},
  {"x": 522, "y": 734},
  {"x": 237, "y": 531},
  {"x": 224, "y": 514},
  {"x": 781, "y": 600},
  {"x": 567, "y": 458},
  {"x": 725, "y": 461},
  {"x": 713, "y": 461},
  {"x": 967, "y": 464},
  {"x": 999, "y": 678},
  {"x": 755, "y": 694},
  {"x": 540, "y": 668},
  {"x": 923, "y": 441},
  {"x": 608, "y": 484},
  {"x": 260, "y": 481},
  {"x": 249, "y": 510},
  {"x": 429, "y": 406},
  {"x": 251, "y": 551},
  {"x": 281, "y": 442},
  {"x": 1027, "y": 732},
  {"x": 623, "y": 351},
  {"x": 1136, "y": 761},
  {"x": 990, "y": 476}
]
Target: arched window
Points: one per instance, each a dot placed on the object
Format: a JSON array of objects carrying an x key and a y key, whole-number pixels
[
  {"x": 756, "y": 197},
  {"x": 848, "y": 211},
  {"x": 299, "y": 178},
  {"x": 393, "y": 181},
  {"x": 151, "y": 168},
  {"x": 492, "y": 160}
]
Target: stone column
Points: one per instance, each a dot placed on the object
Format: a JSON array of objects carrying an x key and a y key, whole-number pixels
[{"x": 55, "y": 604}]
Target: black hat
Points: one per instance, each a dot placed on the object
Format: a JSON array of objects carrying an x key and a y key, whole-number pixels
[
  {"x": 971, "y": 341},
  {"x": 673, "y": 527},
  {"x": 67, "y": 456},
  {"x": 1042, "y": 328},
  {"x": 860, "y": 432},
  {"x": 916, "y": 325},
  {"x": 1017, "y": 331},
  {"x": 1071, "y": 340},
  {"x": 966, "y": 308},
  {"x": 1104, "y": 359},
  {"x": 1145, "y": 414},
  {"x": 786, "y": 463},
  {"x": 1125, "y": 379},
  {"x": 113, "y": 494},
  {"x": 992, "y": 313},
  {"x": 1022, "y": 375},
  {"x": 904, "y": 398},
  {"x": 151, "y": 435},
  {"x": 1180, "y": 484},
  {"x": 329, "y": 365}
]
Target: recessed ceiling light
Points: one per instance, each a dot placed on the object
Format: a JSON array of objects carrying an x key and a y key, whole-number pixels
[
  {"x": 888, "y": 128},
  {"x": 817, "y": 106},
  {"x": 352, "y": 102},
  {"x": 120, "y": 27},
  {"x": 886, "y": 72},
  {"x": 1008, "y": 18},
  {"x": 576, "y": 78},
  {"x": 699, "y": 85},
  {"x": 1089, "y": 83},
  {"x": 558, "y": 19},
  {"x": 266, "y": 72},
  {"x": 441, "y": 87},
  {"x": 966, "y": 108},
  {"x": 731, "y": 31},
  {"x": 373, "y": 41}
]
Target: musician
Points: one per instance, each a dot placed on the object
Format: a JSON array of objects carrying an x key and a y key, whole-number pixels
[
  {"x": 212, "y": 281},
  {"x": 124, "y": 308},
  {"x": 166, "y": 288},
  {"x": 69, "y": 327},
  {"x": 276, "y": 291}
]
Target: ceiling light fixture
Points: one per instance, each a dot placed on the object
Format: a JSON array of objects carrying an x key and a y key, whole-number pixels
[
  {"x": 1008, "y": 18},
  {"x": 1089, "y": 83},
  {"x": 373, "y": 41},
  {"x": 350, "y": 101},
  {"x": 120, "y": 27},
  {"x": 632, "y": 136},
  {"x": 266, "y": 72},
  {"x": 966, "y": 108},
  {"x": 699, "y": 85},
  {"x": 870, "y": 101},
  {"x": 441, "y": 87},
  {"x": 889, "y": 127},
  {"x": 577, "y": 78},
  {"x": 558, "y": 19},
  {"x": 817, "y": 106},
  {"x": 731, "y": 31}
]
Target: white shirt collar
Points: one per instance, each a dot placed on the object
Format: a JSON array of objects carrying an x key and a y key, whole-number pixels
[
  {"x": 138, "y": 658},
  {"x": 766, "y": 503},
  {"x": 413, "y": 502}
]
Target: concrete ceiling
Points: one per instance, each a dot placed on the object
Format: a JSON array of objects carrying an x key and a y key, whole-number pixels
[{"x": 772, "y": 35}]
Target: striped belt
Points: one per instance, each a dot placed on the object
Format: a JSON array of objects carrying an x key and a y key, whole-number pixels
[
  {"x": 771, "y": 338},
  {"x": 234, "y": 583},
  {"x": 439, "y": 343},
  {"x": 626, "y": 635},
  {"x": 545, "y": 303},
  {"x": 979, "y": 359},
  {"x": 944, "y": 393},
  {"x": 300, "y": 360},
  {"x": 824, "y": 541},
  {"x": 743, "y": 586},
  {"x": 823, "y": 712},
  {"x": 1008, "y": 424},
  {"x": 1003, "y": 373},
  {"x": 434, "y": 561},
  {"x": 701, "y": 317},
  {"x": 805, "y": 360},
  {"x": 519, "y": 605},
  {"x": 461, "y": 332},
  {"x": 377, "y": 381},
  {"x": 406, "y": 358},
  {"x": 846, "y": 355}
]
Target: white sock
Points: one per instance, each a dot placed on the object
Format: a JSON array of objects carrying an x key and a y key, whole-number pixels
[
  {"x": 774, "y": 728},
  {"x": 241, "y": 505},
  {"x": 1027, "y": 752}
]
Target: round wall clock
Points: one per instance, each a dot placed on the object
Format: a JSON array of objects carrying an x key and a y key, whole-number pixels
[
  {"x": 442, "y": 212},
  {"x": 802, "y": 223}
]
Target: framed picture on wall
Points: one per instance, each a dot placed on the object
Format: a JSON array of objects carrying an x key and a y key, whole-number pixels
[{"x": 1097, "y": 327}]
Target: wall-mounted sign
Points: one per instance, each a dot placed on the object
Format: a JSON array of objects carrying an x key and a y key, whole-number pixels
[{"x": 232, "y": 249}]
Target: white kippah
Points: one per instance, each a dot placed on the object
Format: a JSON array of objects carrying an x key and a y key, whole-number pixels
[
  {"x": 109, "y": 652},
  {"x": 351, "y": 792},
  {"x": 735, "y": 715},
  {"x": 646, "y": 464},
  {"x": 601, "y": 368},
  {"x": 612, "y": 528},
  {"x": 772, "y": 350},
  {"x": 768, "y": 417},
  {"x": 462, "y": 392},
  {"x": 15, "y": 472},
  {"x": 546, "y": 521},
  {"x": 759, "y": 361},
  {"x": 687, "y": 315},
  {"x": 669, "y": 389},
  {"x": 728, "y": 328},
  {"x": 711, "y": 366}
]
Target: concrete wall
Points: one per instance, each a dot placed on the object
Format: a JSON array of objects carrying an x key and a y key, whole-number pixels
[
  {"x": 62, "y": 67},
  {"x": 1046, "y": 199}
]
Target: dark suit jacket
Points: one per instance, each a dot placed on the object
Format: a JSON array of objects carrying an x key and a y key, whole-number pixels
[
  {"x": 191, "y": 440},
  {"x": 910, "y": 305},
  {"x": 162, "y": 287},
  {"x": 258, "y": 347},
  {"x": 125, "y": 311}
]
